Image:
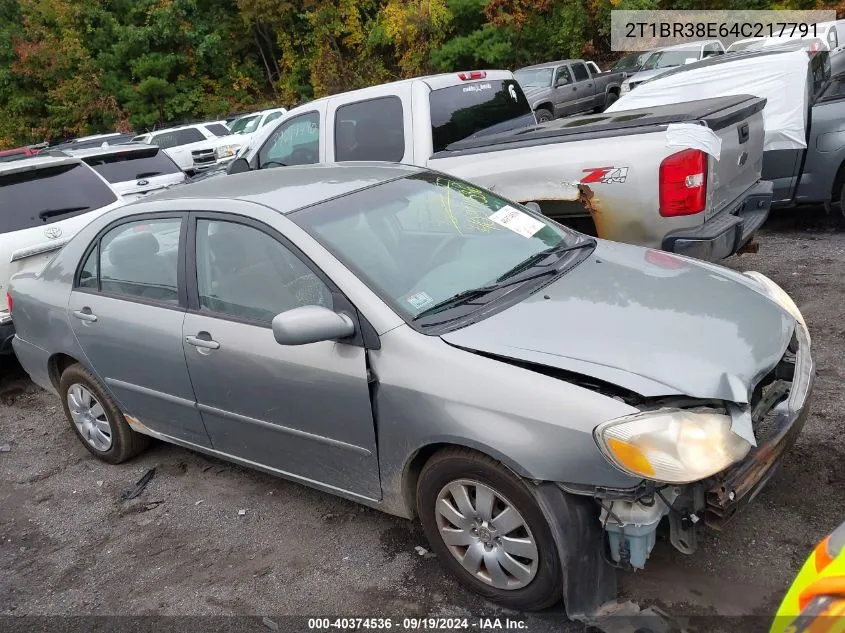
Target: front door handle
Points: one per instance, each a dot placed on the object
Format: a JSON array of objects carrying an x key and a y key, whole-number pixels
[
  {"x": 85, "y": 314},
  {"x": 574, "y": 89},
  {"x": 204, "y": 343}
]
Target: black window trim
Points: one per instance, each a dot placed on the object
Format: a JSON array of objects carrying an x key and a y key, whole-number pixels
[
  {"x": 341, "y": 302},
  {"x": 285, "y": 122},
  {"x": 360, "y": 101},
  {"x": 180, "y": 261}
]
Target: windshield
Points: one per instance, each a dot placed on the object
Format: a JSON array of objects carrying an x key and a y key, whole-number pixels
[
  {"x": 420, "y": 240},
  {"x": 133, "y": 165},
  {"x": 539, "y": 78},
  {"x": 634, "y": 61},
  {"x": 744, "y": 46},
  {"x": 475, "y": 109},
  {"x": 668, "y": 59},
  {"x": 245, "y": 124},
  {"x": 50, "y": 194}
]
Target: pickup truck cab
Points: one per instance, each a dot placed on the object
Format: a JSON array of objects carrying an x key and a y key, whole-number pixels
[
  {"x": 663, "y": 59},
  {"x": 620, "y": 173},
  {"x": 197, "y": 147},
  {"x": 567, "y": 87}
]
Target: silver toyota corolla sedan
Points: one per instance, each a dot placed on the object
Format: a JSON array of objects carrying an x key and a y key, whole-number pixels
[{"x": 539, "y": 399}]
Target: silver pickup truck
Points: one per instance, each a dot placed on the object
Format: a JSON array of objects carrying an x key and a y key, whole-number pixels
[{"x": 623, "y": 171}]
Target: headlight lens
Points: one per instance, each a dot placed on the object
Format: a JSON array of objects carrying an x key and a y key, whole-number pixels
[
  {"x": 671, "y": 445},
  {"x": 779, "y": 296},
  {"x": 226, "y": 151}
]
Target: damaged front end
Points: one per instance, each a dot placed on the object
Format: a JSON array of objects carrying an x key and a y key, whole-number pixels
[{"x": 775, "y": 415}]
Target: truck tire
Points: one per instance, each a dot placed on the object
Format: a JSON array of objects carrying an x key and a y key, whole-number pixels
[
  {"x": 487, "y": 529},
  {"x": 543, "y": 115},
  {"x": 609, "y": 100},
  {"x": 96, "y": 419}
]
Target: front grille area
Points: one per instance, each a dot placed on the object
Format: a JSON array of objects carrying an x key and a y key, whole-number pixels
[{"x": 203, "y": 157}]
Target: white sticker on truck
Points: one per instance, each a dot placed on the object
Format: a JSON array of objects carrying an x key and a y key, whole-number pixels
[{"x": 517, "y": 221}]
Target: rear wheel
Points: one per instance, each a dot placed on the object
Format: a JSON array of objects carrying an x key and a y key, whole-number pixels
[
  {"x": 485, "y": 526},
  {"x": 543, "y": 115},
  {"x": 95, "y": 418}
]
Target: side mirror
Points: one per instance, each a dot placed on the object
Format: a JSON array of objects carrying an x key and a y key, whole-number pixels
[
  {"x": 534, "y": 207},
  {"x": 311, "y": 324},
  {"x": 562, "y": 81},
  {"x": 238, "y": 166}
]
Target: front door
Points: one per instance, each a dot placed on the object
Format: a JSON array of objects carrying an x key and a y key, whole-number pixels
[
  {"x": 127, "y": 313},
  {"x": 301, "y": 410}
]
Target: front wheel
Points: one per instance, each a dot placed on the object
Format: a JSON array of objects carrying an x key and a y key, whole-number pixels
[
  {"x": 485, "y": 526},
  {"x": 543, "y": 115},
  {"x": 609, "y": 100}
]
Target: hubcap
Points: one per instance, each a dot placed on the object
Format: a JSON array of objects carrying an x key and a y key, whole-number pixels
[
  {"x": 486, "y": 534},
  {"x": 89, "y": 417}
]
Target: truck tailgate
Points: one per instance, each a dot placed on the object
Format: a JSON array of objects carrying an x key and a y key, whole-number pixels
[{"x": 741, "y": 162}]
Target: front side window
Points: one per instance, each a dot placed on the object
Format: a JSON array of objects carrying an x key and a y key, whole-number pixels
[
  {"x": 138, "y": 260},
  {"x": 245, "y": 273},
  {"x": 294, "y": 142},
  {"x": 670, "y": 59},
  {"x": 370, "y": 130},
  {"x": 563, "y": 76},
  {"x": 422, "y": 239},
  {"x": 580, "y": 72},
  {"x": 50, "y": 194}
]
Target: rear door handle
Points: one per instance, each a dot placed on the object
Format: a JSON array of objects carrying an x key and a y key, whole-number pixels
[
  {"x": 202, "y": 342},
  {"x": 85, "y": 314}
]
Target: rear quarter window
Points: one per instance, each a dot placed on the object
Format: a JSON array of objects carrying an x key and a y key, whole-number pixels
[
  {"x": 370, "y": 130},
  {"x": 50, "y": 194},
  {"x": 477, "y": 108}
]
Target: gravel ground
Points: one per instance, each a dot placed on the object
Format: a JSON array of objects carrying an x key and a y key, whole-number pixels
[{"x": 69, "y": 546}]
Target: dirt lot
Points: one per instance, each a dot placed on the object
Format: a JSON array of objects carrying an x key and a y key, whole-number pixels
[{"x": 69, "y": 546}]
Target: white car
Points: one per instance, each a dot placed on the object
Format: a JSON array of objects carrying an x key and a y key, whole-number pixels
[
  {"x": 663, "y": 59},
  {"x": 45, "y": 201},
  {"x": 247, "y": 125},
  {"x": 195, "y": 147},
  {"x": 133, "y": 170}
]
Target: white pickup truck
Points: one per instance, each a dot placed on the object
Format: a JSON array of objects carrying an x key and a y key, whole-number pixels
[
  {"x": 195, "y": 148},
  {"x": 684, "y": 178}
]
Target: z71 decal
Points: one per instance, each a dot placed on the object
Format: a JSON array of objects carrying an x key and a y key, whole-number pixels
[{"x": 605, "y": 174}]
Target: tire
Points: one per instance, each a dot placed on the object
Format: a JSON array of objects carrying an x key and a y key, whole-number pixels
[
  {"x": 609, "y": 100},
  {"x": 539, "y": 581},
  {"x": 543, "y": 115},
  {"x": 123, "y": 443}
]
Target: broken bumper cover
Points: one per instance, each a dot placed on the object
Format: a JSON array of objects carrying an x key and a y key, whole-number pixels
[
  {"x": 740, "y": 484},
  {"x": 725, "y": 233}
]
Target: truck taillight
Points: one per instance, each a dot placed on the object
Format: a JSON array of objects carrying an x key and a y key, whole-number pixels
[
  {"x": 475, "y": 74},
  {"x": 9, "y": 301},
  {"x": 683, "y": 183}
]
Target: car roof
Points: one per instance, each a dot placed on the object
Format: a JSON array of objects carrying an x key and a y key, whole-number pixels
[
  {"x": 36, "y": 162},
  {"x": 560, "y": 62},
  {"x": 109, "y": 150},
  {"x": 287, "y": 189}
]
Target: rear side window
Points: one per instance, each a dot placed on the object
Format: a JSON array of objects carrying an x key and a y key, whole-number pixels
[
  {"x": 50, "y": 194},
  {"x": 218, "y": 129},
  {"x": 580, "y": 72},
  {"x": 477, "y": 108},
  {"x": 370, "y": 130},
  {"x": 136, "y": 259},
  {"x": 177, "y": 137},
  {"x": 133, "y": 165}
]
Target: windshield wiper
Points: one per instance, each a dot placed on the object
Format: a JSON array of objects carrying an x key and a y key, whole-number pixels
[
  {"x": 537, "y": 258},
  {"x": 147, "y": 174},
  {"x": 50, "y": 213}
]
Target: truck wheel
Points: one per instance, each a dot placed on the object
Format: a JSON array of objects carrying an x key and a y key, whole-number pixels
[
  {"x": 485, "y": 526},
  {"x": 543, "y": 115},
  {"x": 611, "y": 98},
  {"x": 95, "y": 418}
]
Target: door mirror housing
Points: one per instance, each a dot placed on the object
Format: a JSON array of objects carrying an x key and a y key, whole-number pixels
[
  {"x": 238, "y": 166},
  {"x": 311, "y": 324}
]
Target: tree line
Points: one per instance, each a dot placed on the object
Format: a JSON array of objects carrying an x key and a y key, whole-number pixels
[{"x": 74, "y": 67}]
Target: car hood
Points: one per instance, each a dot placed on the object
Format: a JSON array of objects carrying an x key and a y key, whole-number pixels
[{"x": 647, "y": 321}]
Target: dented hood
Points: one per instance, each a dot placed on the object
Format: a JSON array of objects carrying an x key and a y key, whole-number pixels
[{"x": 648, "y": 321}]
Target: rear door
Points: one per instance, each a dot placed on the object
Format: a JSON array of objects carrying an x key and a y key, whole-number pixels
[
  {"x": 126, "y": 309},
  {"x": 585, "y": 87}
]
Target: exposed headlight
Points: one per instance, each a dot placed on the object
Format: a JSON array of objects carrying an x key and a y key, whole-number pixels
[
  {"x": 625, "y": 87},
  {"x": 779, "y": 296},
  {"x": 671, "y": 445},
  {"x": 225, "y": 151}
]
